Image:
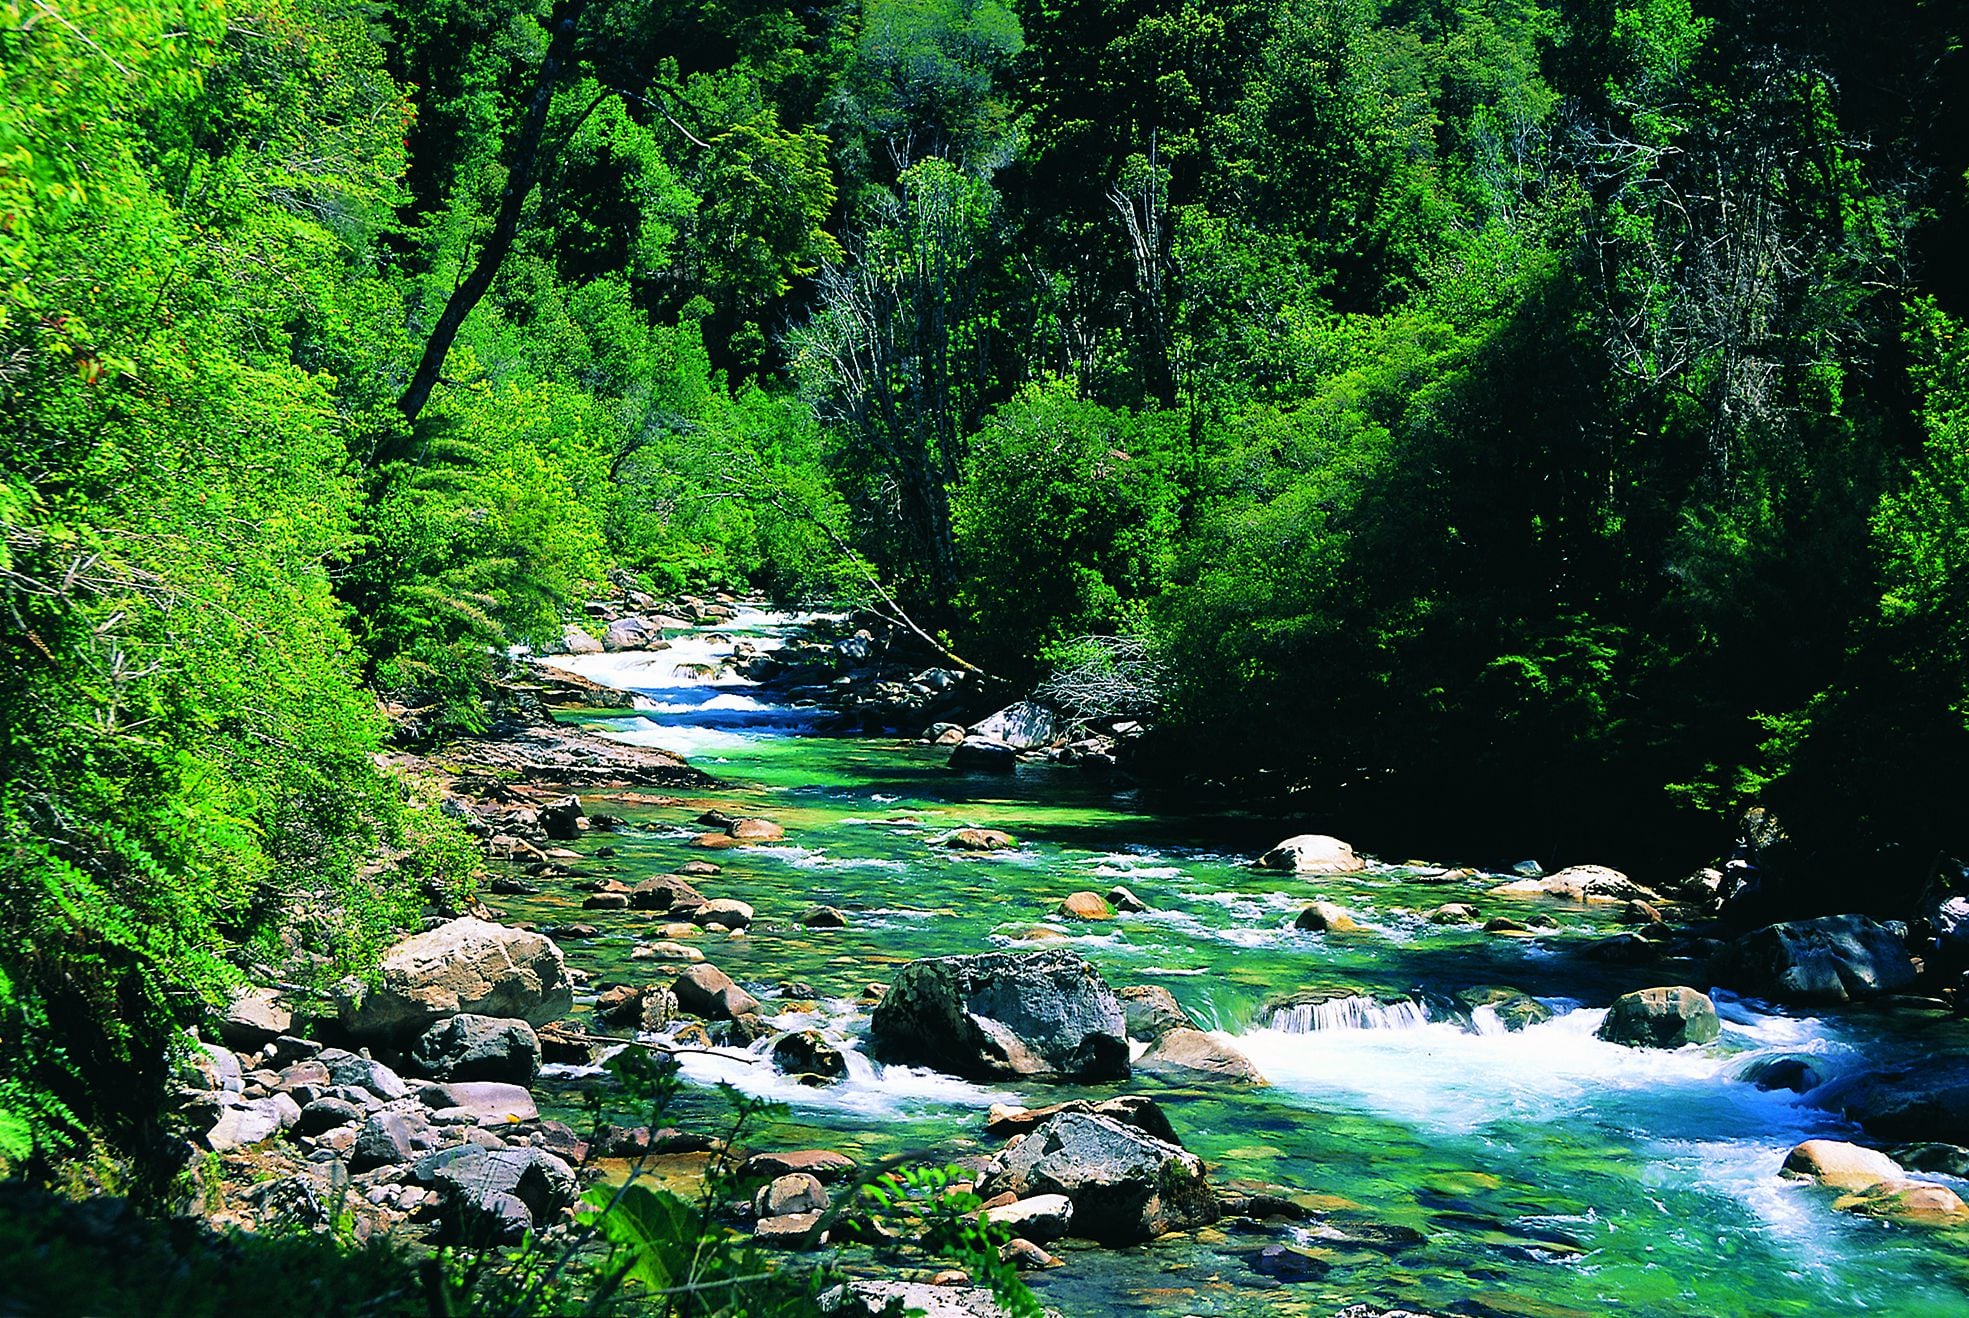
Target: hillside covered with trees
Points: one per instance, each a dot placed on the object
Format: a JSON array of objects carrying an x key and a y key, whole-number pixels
[{"x": 1504, "y": 425}]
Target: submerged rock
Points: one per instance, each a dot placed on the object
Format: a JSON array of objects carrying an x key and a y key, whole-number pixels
[
  {"x": 979, "y": 839},
  {"x": 467, "y": 965},
  {"x": 1048, "y": 1015},
  {"x": 1835, "y": 958},
  {"x": 1125, "y": 1186},
  {"x": 1514, "y": 1007},
  {"x": 1661, "y": 1018},
  {"x": 1312, "y": 853}
]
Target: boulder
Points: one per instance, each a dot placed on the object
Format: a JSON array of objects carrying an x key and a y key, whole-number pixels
[
  {"x": 1047, "y": 1015},
  {"x": 326, "y": 1113},
  {"x": 795, "y": 1192},
  {"x": 789, "y": 1231},
  {"x": 1798, "y": 1073},
  {"x": 823, "y": 1164},
  {"x": 1151, "y": 1011},
  {"x": 1593, "y": 885},
  {"x": 561, "y": 820},
  {"x": 628, "y": 634},
  {"x": 1138, "y": 1110},
  {"x": 1661, "y": 1018},
  {"x": 485, "y": 1102},
  {"x": 1024, "y": 726},
  {"x": 498, "y": 1195},
  {"x": 1182, "y": 1054},
  {"x": 254, "y": 1019},
  {"x": 350, "y": 1071},
  {"x": 1125, "y": 901},
  {"x": 574, "y": 640},
  {"x": 472, "y": 1047},
  {"x": 1125, "y": 1186},
  {"x": 1312, "y": 853},
  {"x": 1840, "y": 1165},
  {"x": 825, "y": 917},
  {"x": 977, "y": 754},
  {"x": 755, "y": 830},
  {"x": 1929, "y": 1102},
  {"x": 1325, "y": 917},
  {"x": 1454, "y": 913},
  {"x": 704, "y": 990},
  {"x": 665, "y": 892},
  {"x": 251, "y": 1122},
  {"x": 1086, "y": 906},
  {"x": 727, "y": 911},
  {"x": 979, "y": 839},
  {"x": 1835, "y": 958},
  {"x": 388, "y": 1138},
  {"x": 807, "y": 1053},
  {"x": 467, "y": 965},
  {"x": 1514, "y": 1008},
  {"x": 1907, "y": 1201},
  {"x": 1043, "y": 1217}
]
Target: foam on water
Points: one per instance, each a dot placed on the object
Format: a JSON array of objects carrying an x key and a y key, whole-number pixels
[{"x": 869, "y": 1090}]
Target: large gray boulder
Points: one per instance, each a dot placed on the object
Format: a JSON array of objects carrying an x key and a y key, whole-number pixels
[
  {"x": 496, "y": 1196},
  {"x": 630, "y": 634},
  {"x": 1835, "y": 958},
  {"x": 1312, "y": 853},
  {"x": 1184, "y": 1055},
  {"x": 1024, "y": 727},
  {"x": 1125, "y": 1186},
  {"x": 574, "y": 640},
  {"x": 984, "y": 755},
  {"x": 467, "y": 965},
  {"x": 470, "y": 1047},
  {"x": 1045, "y": 1015},
  {"x": 1661, "y": 1018}
]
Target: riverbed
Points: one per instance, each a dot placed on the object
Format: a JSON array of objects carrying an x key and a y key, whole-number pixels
[{"x": 1459, "y": 1167}]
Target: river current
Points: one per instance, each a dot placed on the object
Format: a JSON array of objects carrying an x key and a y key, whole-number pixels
[{"x": 1459, "y": 1167}]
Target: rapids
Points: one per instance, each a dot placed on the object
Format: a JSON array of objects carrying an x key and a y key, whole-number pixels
[{"x": 1546, "y": 1172}]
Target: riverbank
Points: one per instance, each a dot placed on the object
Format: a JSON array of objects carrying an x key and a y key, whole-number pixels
[{"x": 1435, "y": 1160}]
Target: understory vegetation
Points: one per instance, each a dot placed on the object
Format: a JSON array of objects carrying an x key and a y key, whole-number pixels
[{"x": 1499, "y": 426}]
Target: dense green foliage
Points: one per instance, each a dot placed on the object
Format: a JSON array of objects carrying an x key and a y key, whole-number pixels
[{"x": 1507, "y": 424}]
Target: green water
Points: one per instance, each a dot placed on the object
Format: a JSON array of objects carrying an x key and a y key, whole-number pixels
[{"x": 1545, "y": 1172}]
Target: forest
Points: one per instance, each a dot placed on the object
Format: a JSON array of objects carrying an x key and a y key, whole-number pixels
[{"x": 1504, "y": 425}]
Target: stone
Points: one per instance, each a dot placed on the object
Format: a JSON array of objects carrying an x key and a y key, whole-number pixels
[
  {"x": 795, "y": 1192},
  {"x": 576, "y": 641},
  {"x": 630, "y": 633},
  {"x": 698, "y": 869},
  {"x": 326, "y": 1113},
  {"x": 727, "y": 911},
  {"x": 1023, "y": 726},
  {"x": 251, "y": 1122},
  {"x": 212, "y": 1069},
  {"x": 1593, "y": 885},
  {"x": 1622, "y": 950},
  {"x": 1085, "y": 906},
  {"x": 1312, "y": 853},
  {"x": 1454, "y": 913},
  {"x": 979, "y": 839},
  {"x": 1661, "y": 1018},
  {"x": 1045, "y": 1015},
  {"x": 478, "y": 1189},
  {"x": 807, "y": 1054},
  {"x": 1290, "y": 1263},
  {"x": 388, "y": 1138},
  {"x": 665, "y": 892},
  {"x": 472, "y": 1047},
  {"x": 466, "y": 965},
  {"x": 1024, "y": 1255},
  {"x": 1042, "y": 1217},
  {"x": 825, "y": 917},
  {"x": 1125, "y": 901},
  {"x": 1504, "y": 924},
  {"x": 254, "y": 1019},
  {"x": 1640, "y": 913},
  {"x": 1325, "y": 917},
  {"x": 606, "y": 901},
  {"x": 1835, "y": 958},
  {"x": 1927, "y": 1102},
  {"x": 487, "y": 1102},
  {"x": 1151, "y": 1010},
  {"x": 1514, "y": 1008},
  {"x": 348, "y": 1070},
  {"x": 824, "y": 1165},
  {"x": 1182, "y": 1054},
  {"x": 1909, "y": 1201},
  {"x": 1138, "y": 1110},
  {"x": 755, "y": 830},
  {"x": 704, "y": 990},
  {"x": 1793, "y": 1072},
  {"x": 977, "y": 755},
  {"x": 1126, "y": 1186},
  {"x": 1840, "y": 1165},
  {"x": 790, "y": 1231},
  {"x": 561, "y": 820}
]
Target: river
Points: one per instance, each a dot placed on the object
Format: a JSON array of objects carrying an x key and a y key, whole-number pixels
[{"x": 1546, "y": 1172}]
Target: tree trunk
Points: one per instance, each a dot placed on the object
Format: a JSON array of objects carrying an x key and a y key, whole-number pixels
[{"x": 520, "y": 177}]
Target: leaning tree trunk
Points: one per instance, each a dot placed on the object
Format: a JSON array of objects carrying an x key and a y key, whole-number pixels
[{"x": 520, "y": 178}]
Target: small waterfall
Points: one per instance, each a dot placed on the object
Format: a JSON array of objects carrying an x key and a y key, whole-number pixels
[{"x": 1350, "y": 1013}]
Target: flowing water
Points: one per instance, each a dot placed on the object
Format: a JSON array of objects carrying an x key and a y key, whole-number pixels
[{"x": 1459, "y": 1167}]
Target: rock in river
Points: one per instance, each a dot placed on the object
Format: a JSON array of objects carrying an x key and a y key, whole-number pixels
[
  {"x": 1661, "y": 1018},
  {"x": 1835, "y": 958},
  {"x": 1125, "y": 1186},
  {"x": 1325, "y": 917},
  {"x": 1048, "y": 1015},
  {"x": 1312, "y": 853},
  {"x": 1182, "y": 1054},
  {"x": 467, "y": 965},
  {"x": 1591, "y": 884},
  {"x": 704, "y": 990}
]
